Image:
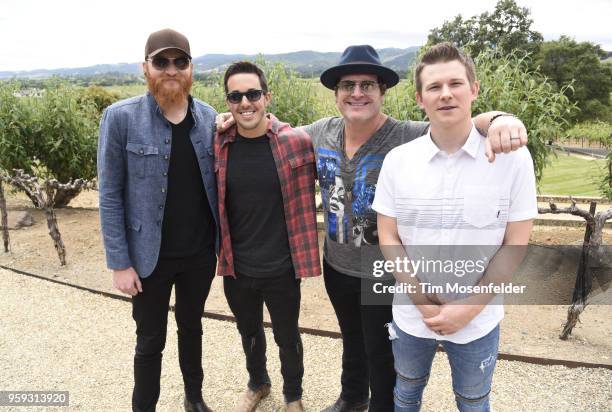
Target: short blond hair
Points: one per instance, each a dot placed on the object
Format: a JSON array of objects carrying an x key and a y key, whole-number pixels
[{"x": 442, "y": 53}]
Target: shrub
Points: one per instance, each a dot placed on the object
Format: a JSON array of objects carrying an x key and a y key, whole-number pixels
[
  {"x": 97, "y": 96},
  {"x": 211, "y": 92},
  {"x": 16, "y": 123},
  {"x": 597, "y": 131},
  {"x": 400, "y": 102},
  {"x": 606, "y": 182},
  {"x": 294, "y": 100},
  {"x": 508, "y": 83},
  {"x": 53, "y": 135}
]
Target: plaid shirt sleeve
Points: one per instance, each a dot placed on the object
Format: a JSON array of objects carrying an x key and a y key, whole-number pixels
[
  {"x": 295, "y": 161},
  {"x": 225, "y": 264}
]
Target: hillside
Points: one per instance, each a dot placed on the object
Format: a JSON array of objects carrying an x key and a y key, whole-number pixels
[{"x": 307, "y": 62}]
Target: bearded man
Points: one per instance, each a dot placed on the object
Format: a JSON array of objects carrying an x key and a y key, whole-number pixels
[{"x": 158, "y": 211}]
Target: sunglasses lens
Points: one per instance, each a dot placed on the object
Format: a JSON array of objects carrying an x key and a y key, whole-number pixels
[
  {"x": 160, "y": 63},
  {"x": 234, "y": 97},
  {"x": 181, "y": 63},
  {"x": 253, "y": 95}
]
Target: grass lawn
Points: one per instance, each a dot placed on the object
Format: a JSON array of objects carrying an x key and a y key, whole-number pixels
[{"x": 572, "y": 175}]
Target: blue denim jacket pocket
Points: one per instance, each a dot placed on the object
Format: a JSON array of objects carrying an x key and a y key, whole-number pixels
[{"x": 141, "y": 158}]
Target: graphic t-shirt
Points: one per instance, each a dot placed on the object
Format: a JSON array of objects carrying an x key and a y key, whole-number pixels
[{"x": 348, "y": 187}]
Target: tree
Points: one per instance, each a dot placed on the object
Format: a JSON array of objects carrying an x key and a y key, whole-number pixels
[
  {"x": 4, "y": 218},
  {"x": 508, "y": 28},
  {"x": 567, "y": 62},
  {"x": 594, "y": 259},
  {"x": 44, "y": 191},
  {"x": 52, "y": 136}
]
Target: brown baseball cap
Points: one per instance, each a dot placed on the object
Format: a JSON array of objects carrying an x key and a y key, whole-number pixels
[{"x": 166, "y": 39}]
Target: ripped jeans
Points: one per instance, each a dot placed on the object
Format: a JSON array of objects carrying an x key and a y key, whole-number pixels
[{"x": 472, "y": 365}]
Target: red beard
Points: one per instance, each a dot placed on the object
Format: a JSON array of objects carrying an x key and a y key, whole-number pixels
[{"x": 167, "y": 97}]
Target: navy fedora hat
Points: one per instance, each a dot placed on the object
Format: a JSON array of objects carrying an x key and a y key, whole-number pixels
[{"x": 361, "y": 59}]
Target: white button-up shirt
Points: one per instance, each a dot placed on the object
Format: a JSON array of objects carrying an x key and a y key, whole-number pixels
[{"x": 456, "y": 199}]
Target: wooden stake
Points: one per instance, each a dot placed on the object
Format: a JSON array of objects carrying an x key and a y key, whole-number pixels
[{"x": 4, "y": 218}]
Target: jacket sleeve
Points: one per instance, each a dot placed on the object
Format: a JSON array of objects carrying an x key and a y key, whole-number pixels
[{"x": 111, "y": 182}]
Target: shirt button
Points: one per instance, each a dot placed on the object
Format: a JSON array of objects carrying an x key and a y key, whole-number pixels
[
  {"x": 166, "y": 157},
  {"x": 141, "y": 151},
  {"x": 163, "y": 190},
  {"x": 165, "y": 174},
  {"x": 167, "y": 141},
  {"x": 161, "y": 207}
]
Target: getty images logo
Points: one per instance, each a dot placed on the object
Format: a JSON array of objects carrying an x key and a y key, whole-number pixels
[{"x": 458, "y": 268}]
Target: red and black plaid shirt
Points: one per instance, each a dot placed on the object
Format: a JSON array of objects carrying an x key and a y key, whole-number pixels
[{"x": 295, "y": 162}]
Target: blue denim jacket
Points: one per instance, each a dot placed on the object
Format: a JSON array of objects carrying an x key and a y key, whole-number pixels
[{"x": 133, "y": 161}]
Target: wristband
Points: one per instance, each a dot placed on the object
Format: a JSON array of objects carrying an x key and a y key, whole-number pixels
[{"x": 498, "y": 116}]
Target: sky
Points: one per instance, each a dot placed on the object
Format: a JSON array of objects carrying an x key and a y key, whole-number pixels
[{"x": 43, "y": 34}]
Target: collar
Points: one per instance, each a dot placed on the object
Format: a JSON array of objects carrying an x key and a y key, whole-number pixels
[
  {"x": 471, "y": 145},
  {"x": 273, "y": 127}
]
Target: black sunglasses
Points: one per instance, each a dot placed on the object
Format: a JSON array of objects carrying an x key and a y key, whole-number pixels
[
  {"x": 252, "y": 95},
  {"x": 162, "y": 63}
]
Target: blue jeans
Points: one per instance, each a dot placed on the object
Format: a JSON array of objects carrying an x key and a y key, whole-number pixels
[{"x": 472, "y": 365}]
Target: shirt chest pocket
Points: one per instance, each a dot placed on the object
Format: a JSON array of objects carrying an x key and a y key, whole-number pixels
[
  {"x": 301, "y": 173},
  {"x": 481, "y": 205},
  {"x": 141, "y": 159},
  {"x": 302, "y": 159}
]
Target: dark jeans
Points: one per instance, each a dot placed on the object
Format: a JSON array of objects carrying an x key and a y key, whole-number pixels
[
  {"x": 367, "y": 357},
  {"x": 246, "y": 297},
  {"x": 150, "y": 311}
]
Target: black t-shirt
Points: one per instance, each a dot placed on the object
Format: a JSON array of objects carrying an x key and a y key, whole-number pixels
[
  {"x": 188, "y": 229},
  {"x": 255, "y": 211}
]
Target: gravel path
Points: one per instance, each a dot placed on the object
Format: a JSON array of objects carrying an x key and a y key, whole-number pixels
[{"x": 54, "y": 337}]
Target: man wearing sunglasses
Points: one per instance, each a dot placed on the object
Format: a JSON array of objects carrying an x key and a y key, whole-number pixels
[
  {"x": 354, "y": 147},
  {"x": 158, "y": 211},
  {"x": 266, "y": 181}
]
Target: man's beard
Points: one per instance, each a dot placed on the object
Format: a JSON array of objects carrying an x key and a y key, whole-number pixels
[{"x": 166, "y": 97}]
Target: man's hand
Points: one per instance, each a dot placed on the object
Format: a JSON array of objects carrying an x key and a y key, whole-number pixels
[
  {"x": 127, "y": 281},
  {"x": 506, "y": 133},
  {"x": 452, "y": 317},
  {"x": 224, "y": 121},
  {"x": 429, "y": 311}
]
